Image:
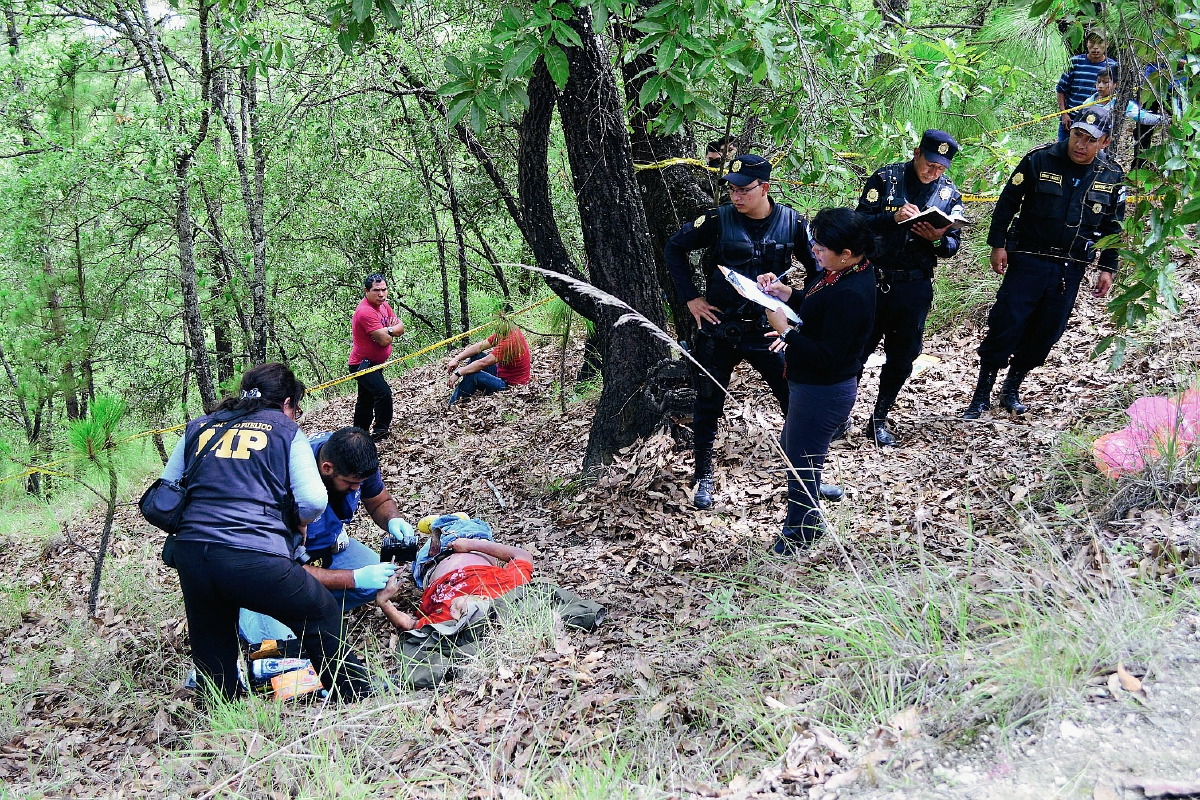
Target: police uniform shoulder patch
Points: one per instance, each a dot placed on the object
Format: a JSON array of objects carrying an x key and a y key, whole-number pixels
[
  {"x": 944, "y": 193},
  {"x": 872, "y": 195},
  {"x": 1018, "y": 178}
]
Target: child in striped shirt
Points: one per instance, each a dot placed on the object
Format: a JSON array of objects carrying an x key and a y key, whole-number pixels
[{"x": 1079, "y": 81}]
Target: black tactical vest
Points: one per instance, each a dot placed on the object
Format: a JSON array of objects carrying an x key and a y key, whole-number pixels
[
  {"x": 239, "y": 491},
  {"x": 898, "y": 248}
]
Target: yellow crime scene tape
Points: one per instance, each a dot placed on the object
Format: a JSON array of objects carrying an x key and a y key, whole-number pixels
[
  {"x": 45, "y": 469},
  {"x": 696, "y": 162}
]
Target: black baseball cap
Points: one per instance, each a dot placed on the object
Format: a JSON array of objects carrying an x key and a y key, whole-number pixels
[
  {"x": 1096, "y": 120},
  {"x": 745, "y": 170},
  {"x": 938, "y": 147}
]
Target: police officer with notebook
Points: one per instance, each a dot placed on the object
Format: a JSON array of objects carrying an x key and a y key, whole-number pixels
[
  {"x": 904, "y": 262},
  {"x": 750, "y": 235}
]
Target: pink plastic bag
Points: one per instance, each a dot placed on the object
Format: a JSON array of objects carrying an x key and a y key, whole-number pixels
[{"x": 1158, "y": 427}]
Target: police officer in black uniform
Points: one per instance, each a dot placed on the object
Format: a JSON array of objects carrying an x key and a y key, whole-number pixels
[
  {"x": 1068, "y": 196},
  {"x": 904, "y": 261},
  {"x": 751, "y": 235}
]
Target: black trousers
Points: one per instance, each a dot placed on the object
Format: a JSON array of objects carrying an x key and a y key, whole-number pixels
[
  {"x": 1030, "y": 313},
  {"x": 217, "y": 581},
  {"x": 900, "y": 315},
  {"x": 719, "y": 355},
  {"x": 374, "y": 399}
]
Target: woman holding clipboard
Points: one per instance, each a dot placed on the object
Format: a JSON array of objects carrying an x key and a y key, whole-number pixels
[{"x": 824, "y": 355}]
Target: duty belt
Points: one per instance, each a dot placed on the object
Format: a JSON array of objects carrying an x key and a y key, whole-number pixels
[{"x": 886, "y": 278}]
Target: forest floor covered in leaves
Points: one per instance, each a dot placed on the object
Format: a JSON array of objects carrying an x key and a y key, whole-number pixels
[{"x": 993, "y": 618}]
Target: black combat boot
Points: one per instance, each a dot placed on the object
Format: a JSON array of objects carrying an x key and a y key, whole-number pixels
[
  {"x": 877, "y": 424},
  {"x": 1009, "y": 399},
  {"x": 981, "y": 401},
  {"x": 703, "y": 479}
]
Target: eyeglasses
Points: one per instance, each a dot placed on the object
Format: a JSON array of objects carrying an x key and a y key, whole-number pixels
[{"x": 743, "y": 189}]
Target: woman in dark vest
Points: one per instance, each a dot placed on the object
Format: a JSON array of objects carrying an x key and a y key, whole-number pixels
[
  {"x": 824, "y": 355},
  {"x": 239, "y": 535}
]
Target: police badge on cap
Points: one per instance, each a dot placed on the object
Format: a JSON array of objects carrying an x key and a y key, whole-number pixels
[
  {"x": 1094, "y": 120},
  {"x": 938, "y": 147},
  {"x": 745, "y": 170}
]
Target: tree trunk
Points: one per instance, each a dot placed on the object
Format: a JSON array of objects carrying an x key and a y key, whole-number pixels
[
  {"x": 86, "y": 370},
  {"x": 598, "y": 148},
  {"x": 670, "y": 196},
  {"x": 258, "y": 228},
  {"x": 102, "y": 549},
  {"x": 187, "y": 280},
  {"x": 437, "y": 230},
  {"x": 241, "y": 130},
  {"x": 54, "y": 305},
  {"x": 464, "y": 311},
  {"x": 497, "y": 270}
]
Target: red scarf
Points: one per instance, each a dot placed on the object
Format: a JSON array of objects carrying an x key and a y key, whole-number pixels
[{"x": 830, "y": 278}]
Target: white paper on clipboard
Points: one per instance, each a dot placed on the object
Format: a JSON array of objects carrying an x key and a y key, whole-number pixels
[{"x": 749, "y": 290}]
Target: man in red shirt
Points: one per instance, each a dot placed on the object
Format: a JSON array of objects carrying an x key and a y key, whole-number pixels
[
  {"x": 373, "y": 328},
  {"x": 473, "y": 570},
  {"x": 507, "y": 363}
]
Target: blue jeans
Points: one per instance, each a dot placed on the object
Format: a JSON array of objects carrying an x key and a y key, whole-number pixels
[
  {"x": 814, "y": 413},
  {"x": 484, "y": 382},
  {"x": 255, "y": 627}
]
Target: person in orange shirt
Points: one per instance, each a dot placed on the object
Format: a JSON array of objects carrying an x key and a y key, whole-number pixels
[
  {"x": 475, "y": 568},
  {"x": 490, "y": 365}
]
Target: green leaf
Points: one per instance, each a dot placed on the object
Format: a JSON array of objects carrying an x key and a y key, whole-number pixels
[
  {"x": 390, "y": 14},
  {"x": 346, "y": 40},
  {"x": 557, "y": 65},
  {"x": 521, "y": 61},
  {"x": 649, "y": 91},
  {"x": 457, "y": 109},
  {"x": 566, "y": 35},
  {"x": 362, "y": 9},
  {"x": 478, "y": 116}
]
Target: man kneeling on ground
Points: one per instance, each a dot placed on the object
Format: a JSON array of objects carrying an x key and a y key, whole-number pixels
[{"x": 349, "y": 465}]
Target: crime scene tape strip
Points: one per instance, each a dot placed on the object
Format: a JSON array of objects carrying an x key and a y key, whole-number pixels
[
  {"x": 696, "y": 162},
  {"x": 45, "y": 468}
]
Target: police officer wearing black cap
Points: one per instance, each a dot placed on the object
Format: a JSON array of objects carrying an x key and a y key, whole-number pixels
[
  {"x": 905, "y": 260},
  {"x": 751, "y": 235},
  {"x": 1068, "y": 196}
]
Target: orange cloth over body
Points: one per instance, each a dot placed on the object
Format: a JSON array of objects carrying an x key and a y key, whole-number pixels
[{"x": 477, "y": 580}]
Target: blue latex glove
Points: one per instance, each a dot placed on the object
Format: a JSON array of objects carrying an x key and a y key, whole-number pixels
[
  {"x": 402, "y": 531},
  {"x": 373, "y": 576}
]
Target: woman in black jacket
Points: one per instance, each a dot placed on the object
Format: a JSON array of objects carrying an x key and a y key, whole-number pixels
[
  {"x": 239, "y": 536},
  {"x": 824, "y": 356}
]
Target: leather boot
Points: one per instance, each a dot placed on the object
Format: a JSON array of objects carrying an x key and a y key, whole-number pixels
[
  {"x": 877, "y": 424},
  {"x": 703, "y": 479},
  {"x": 981, "y": 401},
  {"x": 841, "y": 431},
  {"x": 1009, "y": 399}
]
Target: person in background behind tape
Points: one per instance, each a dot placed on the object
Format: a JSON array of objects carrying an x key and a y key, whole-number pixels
[
  {"x": 240, "y": 532},
  {"x": 904, "y": 263},
  {"x": 752, "y": 235},
  {"x": 373, "y": 328},
  {"x": 349, "y": 466},
  {"x": 1068, "y": 196}
]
